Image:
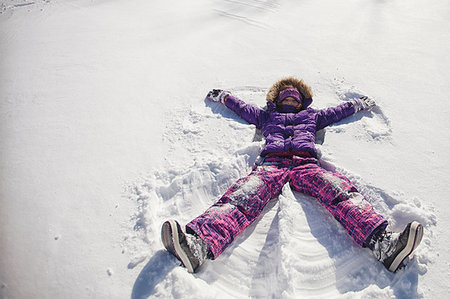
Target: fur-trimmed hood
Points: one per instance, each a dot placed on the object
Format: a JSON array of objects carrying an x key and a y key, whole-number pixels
[{"x": 301, "y": 86}]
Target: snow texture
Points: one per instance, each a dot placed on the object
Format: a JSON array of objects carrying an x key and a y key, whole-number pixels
[{"x": 105, "y": 134}]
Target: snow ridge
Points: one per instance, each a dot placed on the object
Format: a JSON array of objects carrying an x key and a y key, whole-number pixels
[{"x": 10, "y": 5}]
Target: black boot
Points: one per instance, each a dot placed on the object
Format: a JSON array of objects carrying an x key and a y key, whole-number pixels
[
  {"x": 393, "y": 248},
  {"x": 189, "y": 249}
]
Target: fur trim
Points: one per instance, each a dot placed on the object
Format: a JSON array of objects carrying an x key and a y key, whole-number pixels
[{"x": 301, "y": 86}]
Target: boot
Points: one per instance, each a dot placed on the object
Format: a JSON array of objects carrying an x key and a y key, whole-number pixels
[
  {"x": 393, "y": 248},
  {"x": 189, "y": 249}
]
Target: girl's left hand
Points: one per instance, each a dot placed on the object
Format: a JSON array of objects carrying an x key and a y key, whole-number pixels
[
  {"x": 367, "y": 103},
  {"x": 363, "y": 103}
]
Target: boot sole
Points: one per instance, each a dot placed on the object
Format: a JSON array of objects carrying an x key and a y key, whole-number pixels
[
  {"x": 414, "y": 238},
  {"x": 171, "y": 239}
]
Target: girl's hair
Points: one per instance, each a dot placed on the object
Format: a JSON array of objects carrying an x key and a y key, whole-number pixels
[{"x": 284, "y": 83}]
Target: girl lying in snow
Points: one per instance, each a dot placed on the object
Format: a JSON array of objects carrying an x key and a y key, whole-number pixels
[{"x": 289, "y": 156}]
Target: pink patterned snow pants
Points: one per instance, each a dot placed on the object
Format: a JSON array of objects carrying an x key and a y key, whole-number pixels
[{"x": 244, "y": 201}]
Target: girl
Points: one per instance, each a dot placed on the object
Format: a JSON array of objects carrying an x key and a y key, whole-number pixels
[{"x": 289, "y": 156}]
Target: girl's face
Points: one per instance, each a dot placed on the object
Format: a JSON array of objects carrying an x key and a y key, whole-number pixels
[{"x": 290, "y": 100}]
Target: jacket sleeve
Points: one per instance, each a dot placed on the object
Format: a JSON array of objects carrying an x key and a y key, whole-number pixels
[
  {"x": 251, "y": 114},
  {"x": 331, "y": 115}
]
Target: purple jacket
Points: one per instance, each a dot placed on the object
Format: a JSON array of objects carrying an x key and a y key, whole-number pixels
[{"x": 289, "y": 132}]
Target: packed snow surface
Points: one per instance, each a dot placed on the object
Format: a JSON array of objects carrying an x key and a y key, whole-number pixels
[{"x": 105, "y": 134}]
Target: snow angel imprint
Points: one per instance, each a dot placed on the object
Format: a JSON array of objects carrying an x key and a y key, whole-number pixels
[{"x": 289, "y": 156}]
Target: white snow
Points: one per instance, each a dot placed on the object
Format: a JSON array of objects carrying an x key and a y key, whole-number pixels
[{"x": 105, "y": 134}]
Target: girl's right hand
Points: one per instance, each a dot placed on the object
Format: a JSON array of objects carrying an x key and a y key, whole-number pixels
[{"x": 218, "y": 95}]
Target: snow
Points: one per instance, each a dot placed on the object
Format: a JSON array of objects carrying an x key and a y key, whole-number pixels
[{"x": 105, "y": 134}]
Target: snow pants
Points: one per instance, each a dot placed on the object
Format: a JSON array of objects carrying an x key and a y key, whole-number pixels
[{"x": 244, "y": 201}]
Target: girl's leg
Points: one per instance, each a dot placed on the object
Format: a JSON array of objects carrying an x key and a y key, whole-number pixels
[
  {"x": 238, "y": 207},
  {"x": 339, "y": 196}
]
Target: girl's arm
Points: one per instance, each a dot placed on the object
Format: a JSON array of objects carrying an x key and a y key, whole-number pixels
[
  {"x": 251, "y": 114},
  {"x": 331, "y": 115}
]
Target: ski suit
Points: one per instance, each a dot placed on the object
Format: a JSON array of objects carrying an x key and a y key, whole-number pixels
[{"x": 290, "y": 157}]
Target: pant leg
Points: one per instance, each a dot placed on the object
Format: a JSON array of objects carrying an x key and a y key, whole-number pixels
[
  {"x": 241, "y": 204},
  {"x": 339, "y": 196}
]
